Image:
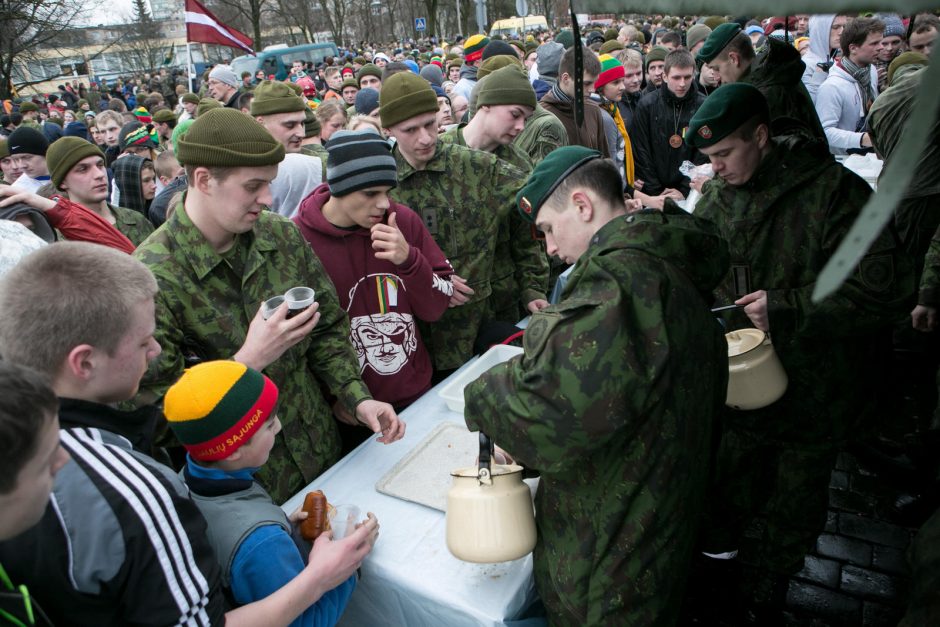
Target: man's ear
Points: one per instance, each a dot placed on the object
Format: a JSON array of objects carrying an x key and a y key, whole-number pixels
[
  {"x": 583, "y": 204},
  {"x": 80, "y": 362}
]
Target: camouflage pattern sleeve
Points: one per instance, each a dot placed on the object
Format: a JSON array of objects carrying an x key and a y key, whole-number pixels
[
  {"x": 881, "y": 287},
  {"x": 136, "y": 227},
  {"x": 930, "y": 280},
  {"x": 530, "y": 263}
]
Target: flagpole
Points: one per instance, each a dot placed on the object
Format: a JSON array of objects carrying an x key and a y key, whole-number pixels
[{"x": 189, "y": 66}]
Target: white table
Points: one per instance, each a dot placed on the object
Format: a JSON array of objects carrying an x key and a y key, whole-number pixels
[{"x": 410, "y": 578}]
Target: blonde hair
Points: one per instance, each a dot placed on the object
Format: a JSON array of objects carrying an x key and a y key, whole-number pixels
[
  {"x": 629, "y": 57},
  {"x": 66, "y": 295},
  {"x": 104, "y": 116},
  {"x": 328, "y": 109},
  {"x": 359, "y": 119}
]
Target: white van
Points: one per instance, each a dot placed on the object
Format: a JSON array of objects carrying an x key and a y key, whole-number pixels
[{"x": 518, "y": 26}]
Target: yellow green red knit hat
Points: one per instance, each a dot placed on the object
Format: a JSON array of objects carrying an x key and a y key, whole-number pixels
[
  {"x": 473, "y": 47},
  {"x": 217, "y": 406},
  {"x": 142, "y": 115},
  {"x": 611, "y": 70}
]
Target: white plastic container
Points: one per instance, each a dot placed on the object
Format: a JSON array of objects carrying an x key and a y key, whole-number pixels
[{"x": 452, "y": 393}]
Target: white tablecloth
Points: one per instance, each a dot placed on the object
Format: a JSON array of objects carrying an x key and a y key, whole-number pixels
[{"x": 410, "y": 578}]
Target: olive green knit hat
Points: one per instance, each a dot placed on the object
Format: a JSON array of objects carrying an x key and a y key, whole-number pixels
[
  {"x": 190, "y": 97},
  {"x": 506, "y": 86},
  {"x": 404, "y": 96},
  {"x": 64, "y": 153},
  {"x": 497, "y": 63},
  {"x": 207, "y": 104},
  {"x": 312, "y": 126},
  {"x": 227, "y": 138},
  {"x": 275, "y": 97},
  {"x": 369, "y": 69}
]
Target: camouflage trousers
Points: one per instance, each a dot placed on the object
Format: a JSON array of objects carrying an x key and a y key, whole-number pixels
[
  {"x": 788, "y": 485},
  {"x": 924, "y": 556}
]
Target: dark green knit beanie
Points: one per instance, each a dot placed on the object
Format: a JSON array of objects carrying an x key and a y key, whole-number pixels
[
  {"x": 275, "y": 97},
  {"x": 64, "y": 153},
  {"x": 506, "y": 86},
  {"x": 497, "y": 63},
  {"x": 207, "y": 104},
  {"x": 227, "y": 138},
  {"x": 312, "y": 126},
  {"x": 369, "y": 69},
  {"x": 404, "y": 96}
]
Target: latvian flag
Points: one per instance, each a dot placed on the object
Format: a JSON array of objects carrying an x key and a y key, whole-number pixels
[{"x": 203, "y": 27}]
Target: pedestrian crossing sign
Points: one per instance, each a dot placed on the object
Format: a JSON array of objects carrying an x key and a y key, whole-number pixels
[{"x": 421, "y": 24}]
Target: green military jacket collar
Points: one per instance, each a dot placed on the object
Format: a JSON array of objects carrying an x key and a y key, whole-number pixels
[
  {"x": 437, "y": 164},
  {"x": 200, "y": 254}
]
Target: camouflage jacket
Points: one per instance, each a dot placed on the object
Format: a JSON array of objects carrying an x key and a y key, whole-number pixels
[
  {"x": 542, "y": 134},
  {"x": 316, "y": 150},
  {"x": 463, "y": 196},
  {"x": 612, "y": 402},
  {"x": 782, "y": 227},
  {"x": 521, "y": 261},
  {"x": 132, "y": 224},
  {"x": 203, "y": 310}
]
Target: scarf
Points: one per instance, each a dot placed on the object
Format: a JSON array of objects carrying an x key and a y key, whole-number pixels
[
  {"x": 560, "y": 95},
  {"x": 862, "y": 75},
  {"x": 469, "y": 72},
  {"x": 614, "y": 112}
]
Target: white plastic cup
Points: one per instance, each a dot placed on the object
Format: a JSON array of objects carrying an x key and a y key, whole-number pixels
[
  {"x": 298, "y": 299},
  {"x": 344, "y": 520},
  {"x": 268, "y": 307}
]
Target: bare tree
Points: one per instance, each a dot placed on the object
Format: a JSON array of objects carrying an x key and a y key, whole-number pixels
[
  {"x": 143, "y": 41},
  {"x": 29, "y": 25},
  {"x": 335, "y": 12},
  {"x": 249, "y": 11}
]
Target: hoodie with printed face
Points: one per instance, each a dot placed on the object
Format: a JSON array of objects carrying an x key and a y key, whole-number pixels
[{"x": 384, "y": 301}]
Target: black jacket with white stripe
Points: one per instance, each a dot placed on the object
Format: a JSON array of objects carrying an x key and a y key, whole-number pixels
[{"x": 120, "y": 542}]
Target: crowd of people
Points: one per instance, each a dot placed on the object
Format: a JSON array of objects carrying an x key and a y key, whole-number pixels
[{"x": 163, "y": 395}]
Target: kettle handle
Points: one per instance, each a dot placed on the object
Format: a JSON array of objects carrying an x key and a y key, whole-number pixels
[{"x": 486, "y": 454}]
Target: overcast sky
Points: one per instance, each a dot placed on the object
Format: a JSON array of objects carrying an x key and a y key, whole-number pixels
[{"x": 109, "y": 12}]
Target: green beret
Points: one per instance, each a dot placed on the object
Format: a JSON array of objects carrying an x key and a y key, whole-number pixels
[
  {"x": 190, "y": 97},
  {"x": 65, "y": 153},
  {"x": 227, "y": 138},
  {"x": 905, "y": 58},
  {"x": 547, "y": 175},
  {"x": 164, "y": 115},
  {"x": 404, "y": 96},
  {"x": 275, "y": 97},
  {"x": 717, "y": 40},
  {"x": 506, "y": 86},
  {"x": 610, "y": 46},
  {"x": 207, "y": 104},
  {"x": 723, "y": 112},
  {"x": 369, "y": 69},
  {"x": 658, "y": 53},
  {"x": 26, "y": 107}
]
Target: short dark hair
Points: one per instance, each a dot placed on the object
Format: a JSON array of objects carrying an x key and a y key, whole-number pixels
[
  {"x": 742, "y": 44},
  {"x": 669, "y": 37},
  {"x": 218, "y": 173},
  {"x": 28, "y": 403},
  {"x": 678, "y": 59},
  {"x": 926, "y": 22},
  {"x": 244, "y": 99},
  {"x": 600, "y": 175},
  {"x": 591, "y": 63},
  {"x": 746, "y": 131},
  {"x": 857, "y": 30}
]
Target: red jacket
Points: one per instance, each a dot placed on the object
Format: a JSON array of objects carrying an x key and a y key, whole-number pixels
[
  {"x": 80, "y": 224},
  {"x": 383, "y": 300}
]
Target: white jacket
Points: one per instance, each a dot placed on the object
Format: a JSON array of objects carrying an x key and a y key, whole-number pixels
[{"x": 840, "y": 105}]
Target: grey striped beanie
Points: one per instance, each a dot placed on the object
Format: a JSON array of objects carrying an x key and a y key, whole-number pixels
[{"x": 359, "y": 160}]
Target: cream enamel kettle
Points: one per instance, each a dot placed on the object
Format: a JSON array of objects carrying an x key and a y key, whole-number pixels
[
  {"x": 756, "y": 377},
  {"x": 489, "y": 511}
]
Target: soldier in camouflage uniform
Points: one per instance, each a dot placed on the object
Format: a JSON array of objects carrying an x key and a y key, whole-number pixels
[
  {"x": 614, "y": 398},
  {"x": 77, "y": 168},
  {"x": 784, "y": 205},
  {"x": 216, "y": 259},
  {"x": 463, "y": 196},
  {"x": 542, "y": 134},
  {"x": 505, "y": 98},
  {"x": 777, "y": 72}
]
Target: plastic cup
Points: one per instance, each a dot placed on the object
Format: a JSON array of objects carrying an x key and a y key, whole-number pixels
[
  {"x": 344, "y": 520},
  {"x": 268, "y": 307},
  {"x": 298, "y": 299}
]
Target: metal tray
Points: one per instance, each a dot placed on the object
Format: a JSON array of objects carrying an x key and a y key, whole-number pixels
[{"x": 423, "y": 475}]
